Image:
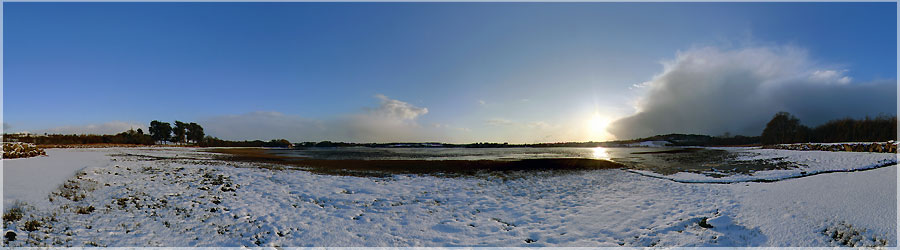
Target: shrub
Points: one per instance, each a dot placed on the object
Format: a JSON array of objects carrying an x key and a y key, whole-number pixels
[
  {"x": 85, "y": 210},
  {"x": 13, "y": 214},
  {"x": 32, "y": 225},
  {"x": 21, "y": 150}
]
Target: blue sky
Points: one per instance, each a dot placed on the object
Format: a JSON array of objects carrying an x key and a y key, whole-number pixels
[{"x": 518, "y": 72}]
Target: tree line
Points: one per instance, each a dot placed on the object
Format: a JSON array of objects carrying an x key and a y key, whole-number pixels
[
  {"x": 135, "y": 137},
  {"x": 216, "y": 142},
  {"x": 158, "y": 132},
  {"x": 786, "y": 128},
  {"x": 783, "y": 128},
  {"x": 181, "y": 133}
]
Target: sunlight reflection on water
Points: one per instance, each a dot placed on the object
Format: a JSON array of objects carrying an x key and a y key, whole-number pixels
[{"x": 600, "y": 153}]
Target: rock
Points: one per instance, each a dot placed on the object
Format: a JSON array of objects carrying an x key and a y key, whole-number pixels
[
  {"x": 704, "y": 224},
  {"x": 9, "y": 236}
]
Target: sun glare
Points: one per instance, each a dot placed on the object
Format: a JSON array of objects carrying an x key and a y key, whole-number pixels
[
  {"x": 597, "y": 127},
  {"x": 600, "y": 153}
]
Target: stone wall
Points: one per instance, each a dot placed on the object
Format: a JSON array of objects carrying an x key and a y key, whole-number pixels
[{"x": 878, "y": 147}]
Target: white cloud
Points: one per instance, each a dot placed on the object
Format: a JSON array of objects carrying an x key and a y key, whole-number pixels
[
  {"x": 108, "y": 128},
  {"x": 639, "y": 85},
  {"x": 499, "y": 122},
  {"x": 830, "y": 76},
  {"x": 540, "y": 125},
  {"x": 398, "y": 110},
  {"x": 712, "y": 91},
  {"x": 393, "y": 120},
  {"x": 448, "y": 126}
]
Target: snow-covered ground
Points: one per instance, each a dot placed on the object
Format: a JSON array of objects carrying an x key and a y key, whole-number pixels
[
  {"x": 138, "y": 198},
  {"x": 32, "y": 179},
  {"x": 808, "y": 163},
  {"x": 849, "y": 201}
]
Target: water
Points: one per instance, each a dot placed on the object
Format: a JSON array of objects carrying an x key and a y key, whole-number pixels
[
  {"x": 361, "y": 153},
  {"x": 666, "y": 160}
]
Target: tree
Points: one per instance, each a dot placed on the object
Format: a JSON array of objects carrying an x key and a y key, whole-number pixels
[
  {"x": 156, "y": 130},
  {"x": 179, "y": 130},
  {"x": 881, "y": 128},
  {"x": 195, "y": 132},
  {"x": 281, "y": 143},
  {"x": 140, "y": 131},
  {"x": 784, "y": 128},
  {"x": 129, "y": 137},
  {"x": 160, "y": 131}
]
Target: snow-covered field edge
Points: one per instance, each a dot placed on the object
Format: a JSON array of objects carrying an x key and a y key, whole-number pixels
[{"x": 807, "y": 163}]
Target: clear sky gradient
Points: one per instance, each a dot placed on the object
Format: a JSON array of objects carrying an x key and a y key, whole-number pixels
[{"x": 517, "y": 72}]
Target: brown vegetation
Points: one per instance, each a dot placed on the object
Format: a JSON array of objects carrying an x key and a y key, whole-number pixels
[
  {"x": 21, "y": 150},
  {"x": 421, "y": 167},
  {"x": 128, "y": 137}
]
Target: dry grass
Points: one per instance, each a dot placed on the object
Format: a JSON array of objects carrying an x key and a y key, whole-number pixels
[
  {"x": 85, "y": 210},
  {"x": 13, "y": 214},
  {"x": 13, "y": 150}
]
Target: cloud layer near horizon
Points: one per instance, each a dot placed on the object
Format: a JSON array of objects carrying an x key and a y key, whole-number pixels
[
  {"x": 714, "y": 91},
  {"x": 108, "y": 128},
  {"x": 392, "y": 120}
]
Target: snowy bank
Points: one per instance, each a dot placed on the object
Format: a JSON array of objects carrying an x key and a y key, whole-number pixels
[
  {"x": 806, "y": 163},
  {"x": 862, "y": 202},
  {"x": 31, "y": 179}
]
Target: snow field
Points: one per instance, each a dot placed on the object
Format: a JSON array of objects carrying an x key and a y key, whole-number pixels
[
  {"x": 808, "y": 163},
  {"x": 181, "y": 197}
]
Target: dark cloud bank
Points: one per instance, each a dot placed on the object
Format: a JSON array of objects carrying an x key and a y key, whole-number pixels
[{"x": 713, "y": 91}]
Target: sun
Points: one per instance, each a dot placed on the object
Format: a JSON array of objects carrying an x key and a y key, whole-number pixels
[{"x": 597, "y": 125}]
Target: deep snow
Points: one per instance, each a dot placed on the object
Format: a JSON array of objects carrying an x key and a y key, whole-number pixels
[
  {"x": 193, "y": 200},
  {"x": 32, "y": 179}
]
